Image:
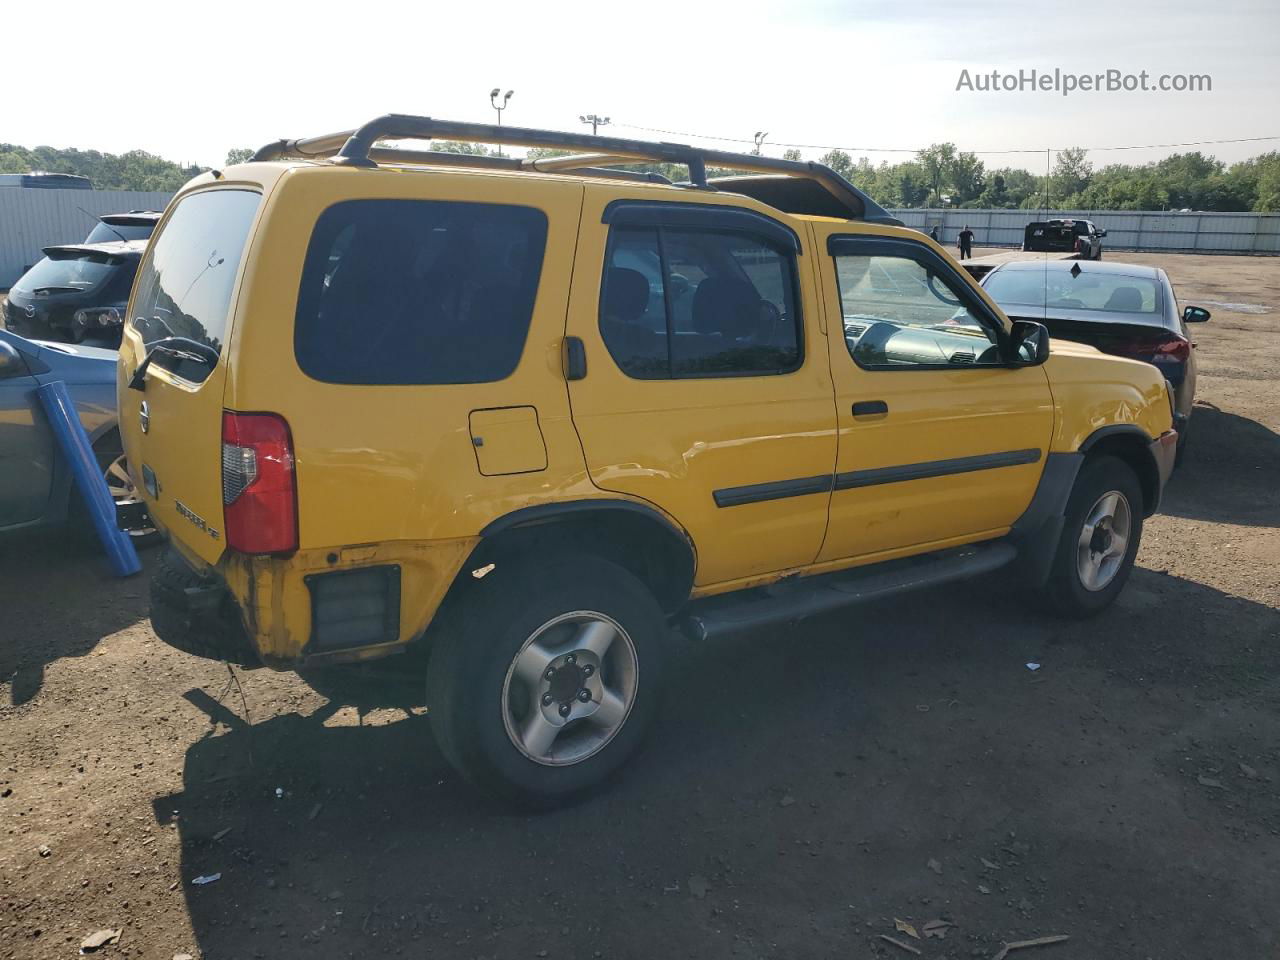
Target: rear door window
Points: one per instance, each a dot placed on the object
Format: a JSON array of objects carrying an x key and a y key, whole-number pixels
[
  {"x": 418, "y": 291},
  {"x": 679, "y": 302},
  {"x": 189, "y": 273}
]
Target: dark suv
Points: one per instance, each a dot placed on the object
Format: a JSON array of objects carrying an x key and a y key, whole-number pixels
[
  {"x": 77, "y": 290},
  {"x": 134, "y": 225}
]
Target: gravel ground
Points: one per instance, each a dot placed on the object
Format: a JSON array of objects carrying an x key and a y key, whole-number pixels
[{"x": 804, "y": 789}]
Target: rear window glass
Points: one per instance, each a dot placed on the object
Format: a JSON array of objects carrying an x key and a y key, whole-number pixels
[
  {"x": 67, "y": 272},
  {"x": 1075, "y": 291},
  {"x": 119, "y": 283},
  {"x": 106, "y": 232},
  {"x": 190, "y": 271},
  {"x": 418, "y": 291}
]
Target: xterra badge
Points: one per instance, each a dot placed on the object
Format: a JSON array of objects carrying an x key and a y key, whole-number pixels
[{"x": 195, "y": 518}]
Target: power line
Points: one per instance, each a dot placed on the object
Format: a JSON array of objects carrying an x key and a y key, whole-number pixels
[
  {"x": 1188, "y": 143},
  {"x": 819, "y": 146}
]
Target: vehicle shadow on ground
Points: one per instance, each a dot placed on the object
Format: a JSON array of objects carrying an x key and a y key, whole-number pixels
[
  {"x": 1231, "y": 473},
  {"x": 790, "y": 777},
  {"x": 58, "y": 599}
]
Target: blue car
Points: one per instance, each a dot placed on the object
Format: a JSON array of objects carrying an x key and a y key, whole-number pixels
[{"x": 35, "y": 483}]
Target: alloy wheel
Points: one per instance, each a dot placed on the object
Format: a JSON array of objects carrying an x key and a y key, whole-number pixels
[
  {"x": 123, "y": 492},
  {"x": 570, "y": 688},
  {"x": 1104, "y": 540}
]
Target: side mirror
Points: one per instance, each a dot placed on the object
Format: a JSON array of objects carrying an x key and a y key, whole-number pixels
[
  {"x": 11, "y": 362},
  {"x": 1030, "y": 343},
  {"x": 1102, "y": 232},
  {"x": 1195, "y": 315}
]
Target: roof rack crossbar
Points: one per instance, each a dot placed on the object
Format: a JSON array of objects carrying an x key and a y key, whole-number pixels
[
  {"x": 573, "y": 161},
  {"x": 358, "y": 148}
]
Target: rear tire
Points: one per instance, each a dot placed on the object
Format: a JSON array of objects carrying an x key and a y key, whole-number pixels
[
  {"x": 1099, "y": 540},
  {"x": 507, "y": 653}
]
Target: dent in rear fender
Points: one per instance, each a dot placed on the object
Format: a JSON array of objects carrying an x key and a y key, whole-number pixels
[
  {"x": 1091, "y": 393},
  {"x": 275, "y": 602}
]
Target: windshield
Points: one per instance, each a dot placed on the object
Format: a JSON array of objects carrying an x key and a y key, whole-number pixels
[
  {"x": 82, "y": 271},
  {"x": 1074, "y": 291},
  {"x": 106, "y": 232}
]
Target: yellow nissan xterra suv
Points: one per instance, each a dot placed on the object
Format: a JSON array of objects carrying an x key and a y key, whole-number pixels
[{"x": 526, "y": 414}]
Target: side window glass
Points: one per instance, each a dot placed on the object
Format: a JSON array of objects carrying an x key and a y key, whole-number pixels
[
  {"x": 418, "y": 291},
  {"x": 633, "y": 313},
  {"x": 899, "y": 313},
  {"x": 698, "y": 303}
]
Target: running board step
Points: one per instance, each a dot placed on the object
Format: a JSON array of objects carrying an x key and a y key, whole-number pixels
[{"x": 806, "y": 597}]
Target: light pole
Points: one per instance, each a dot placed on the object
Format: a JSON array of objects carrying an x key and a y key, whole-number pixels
[
  {"x": 493, "y": 102},
  {"x": 759, "y": 139},
  {"x": 595, "y": 120}
]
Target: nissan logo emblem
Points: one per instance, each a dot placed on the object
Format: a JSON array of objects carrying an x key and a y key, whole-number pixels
[{"x": 144, "y": 417}]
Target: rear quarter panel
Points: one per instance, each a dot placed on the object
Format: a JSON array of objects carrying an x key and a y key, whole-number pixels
[
  {"x": 379, "y": 463},
  {"x": 389, "y": 474}
]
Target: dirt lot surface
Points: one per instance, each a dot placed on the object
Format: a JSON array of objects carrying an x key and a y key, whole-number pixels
[{"x": 803, "y": 790}]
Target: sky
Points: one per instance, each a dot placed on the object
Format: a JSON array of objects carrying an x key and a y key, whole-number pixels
[{"x": 190, "y": 81}]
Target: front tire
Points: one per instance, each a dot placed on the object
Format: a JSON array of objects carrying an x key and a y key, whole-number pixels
[
  {"x": 1099, "y": 540},
  {"x": 545, "y": 676}
]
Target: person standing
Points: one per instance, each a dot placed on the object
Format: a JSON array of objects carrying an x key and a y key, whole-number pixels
[
  {"x": 966, "y": 242},
  {"x": 933, "y": 233}
]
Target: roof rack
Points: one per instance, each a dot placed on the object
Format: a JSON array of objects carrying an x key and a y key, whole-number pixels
[{"x": 838, "y": 197}]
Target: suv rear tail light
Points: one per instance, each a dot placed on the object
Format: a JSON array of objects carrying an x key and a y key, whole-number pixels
[{"x": 259, "y": 485}]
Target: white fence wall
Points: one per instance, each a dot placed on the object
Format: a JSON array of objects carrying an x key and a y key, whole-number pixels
[
  {"x": 1145, "y": 230},
  {"x": 33, "y": 218}
]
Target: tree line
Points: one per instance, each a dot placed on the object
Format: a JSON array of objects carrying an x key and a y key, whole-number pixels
[
  {"x": 135, "y": 170},
  {"x": 940, "y": 175}
]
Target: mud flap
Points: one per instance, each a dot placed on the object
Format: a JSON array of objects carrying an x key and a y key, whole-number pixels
[{"x": 1037, "y": 531}]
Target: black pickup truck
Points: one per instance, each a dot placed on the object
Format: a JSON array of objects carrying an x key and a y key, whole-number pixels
[{"x": 1077, "y": 236}]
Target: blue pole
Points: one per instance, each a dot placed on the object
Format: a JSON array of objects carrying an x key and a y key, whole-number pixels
[{"x": 75, "y": 446}]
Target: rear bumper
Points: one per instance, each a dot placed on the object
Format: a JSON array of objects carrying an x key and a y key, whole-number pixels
[
  {"x": 196, "y": 614},
  {"x": 313, "y": 607}
]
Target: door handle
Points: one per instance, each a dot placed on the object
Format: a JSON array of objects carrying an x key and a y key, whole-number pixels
[
  {"x": 575, "y": 358},
  {"x": 869, "y": 408}
]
